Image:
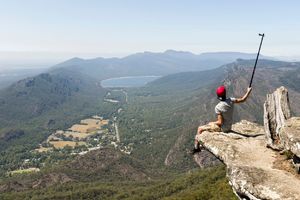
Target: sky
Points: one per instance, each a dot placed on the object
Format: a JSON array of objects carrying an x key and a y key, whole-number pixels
[{"x": 44, "y": 32}]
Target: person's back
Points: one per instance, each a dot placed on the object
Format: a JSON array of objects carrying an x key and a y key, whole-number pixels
[
  {"x": 224, "y": 111},
  {"x": 225, "y": 108}
]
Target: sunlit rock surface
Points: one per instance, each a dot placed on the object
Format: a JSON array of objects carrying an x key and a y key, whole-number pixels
[
  {"x": 290, "y": 135},
  {"x": 276, "y": 112},
  {"x": 251, "y": 167},
  {"x": 255, "y": 167}
]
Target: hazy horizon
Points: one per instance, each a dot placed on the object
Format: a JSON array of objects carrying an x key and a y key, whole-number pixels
[
  {"x": 42, "y": 33},
  {"x": 23, "y": 60}
]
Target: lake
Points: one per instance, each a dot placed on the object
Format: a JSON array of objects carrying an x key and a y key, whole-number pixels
[{"x": 129, "y": 81}]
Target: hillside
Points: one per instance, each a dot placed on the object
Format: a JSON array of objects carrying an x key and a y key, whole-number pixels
[
  {"x": 192, "y": 185},
  {"x": 44, "y": 95},
  {"x": 32, "y": 108}
]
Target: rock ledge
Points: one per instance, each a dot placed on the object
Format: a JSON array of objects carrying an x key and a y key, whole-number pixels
[{"x": 250, "y": 165}]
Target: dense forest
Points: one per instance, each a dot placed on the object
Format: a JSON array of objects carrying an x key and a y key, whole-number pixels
[{"x": 204, "y": 184}]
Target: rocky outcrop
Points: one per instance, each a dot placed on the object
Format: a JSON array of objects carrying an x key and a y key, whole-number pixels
[
  {"x": 206, "y": 159},
  {"x": 251, "y": 167},
  {"x": 282, "y": 131},
  {"x": 290, "y": 135},
  {"x": 290, "y": 139},
  {"x": 255, "y": 171},
  {"x": 276, "y": 112}
]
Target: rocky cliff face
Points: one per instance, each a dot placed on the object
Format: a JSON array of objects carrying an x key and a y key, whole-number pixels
[
  {"x": 254, "y": 170},
  {"x": 282, "y": 131},
  {"x": 276, "y": 112},
  {"x": 290, "y": 139},
  {"x": 290, "y": 135}
]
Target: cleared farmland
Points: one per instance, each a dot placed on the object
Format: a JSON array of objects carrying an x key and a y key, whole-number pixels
[
  {"x": 76, "y": 135},
  {"x": 62, "y": 144},
  {"x": 88, "y": 125}
]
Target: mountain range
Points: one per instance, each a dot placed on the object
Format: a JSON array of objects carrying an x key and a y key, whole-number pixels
[
  {"x": 149, "y": 63},
  {"x": 158, "y": 120}
]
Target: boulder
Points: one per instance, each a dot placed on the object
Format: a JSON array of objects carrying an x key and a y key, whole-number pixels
[
  {"x": 290, "y": 135},
  {"x": 276, "y": 112},
  {"x": 282, "y": 131},
  {"x": 251, "y": 167}
]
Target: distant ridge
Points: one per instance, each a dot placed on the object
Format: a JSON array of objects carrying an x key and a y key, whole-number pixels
[{"x": 151, "y": 63}]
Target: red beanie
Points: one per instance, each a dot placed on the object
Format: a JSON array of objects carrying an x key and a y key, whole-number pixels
[{"x": 221, "y": 91}]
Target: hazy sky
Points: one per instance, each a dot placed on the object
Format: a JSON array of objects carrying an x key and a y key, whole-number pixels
[{"x": 45, "y": 31}]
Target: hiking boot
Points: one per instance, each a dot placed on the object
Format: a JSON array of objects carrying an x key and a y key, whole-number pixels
[
  {"x": 194, "y": 150},
  {"x": 201, "y": 147}
]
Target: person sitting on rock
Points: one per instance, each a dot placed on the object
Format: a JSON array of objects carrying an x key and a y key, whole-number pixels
[{"x": 224, "y": 111}]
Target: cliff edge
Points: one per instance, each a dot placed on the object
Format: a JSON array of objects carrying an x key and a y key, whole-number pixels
[{"x": 255, "y": 169}]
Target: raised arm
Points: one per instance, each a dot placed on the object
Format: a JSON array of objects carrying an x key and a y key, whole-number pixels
[{"x": 242, "y": 99}]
